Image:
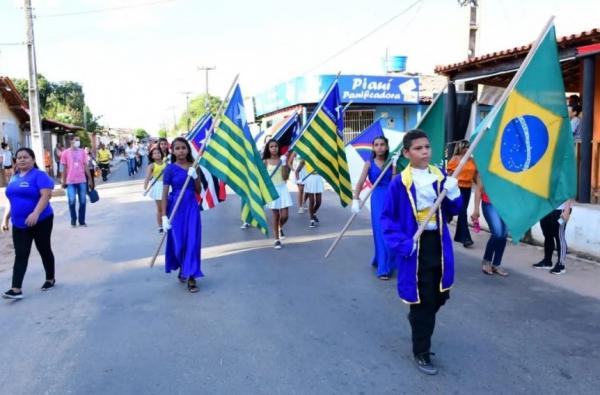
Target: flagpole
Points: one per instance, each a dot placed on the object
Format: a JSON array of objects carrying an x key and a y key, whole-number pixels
[
  {"x": 377, "y": 181},
  {"x": 493, "y": 113},
  {"x": 314, "y": 114},
  {"x": 196, "y": 164}
]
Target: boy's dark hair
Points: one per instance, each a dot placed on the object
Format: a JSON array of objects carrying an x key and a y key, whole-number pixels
[
  {"x": 411, "y": 136},
  {"x": 189, "y": 158},
  {"x": 4, "y": 145},
  {"x": 266, "y": 153},
  {"x": 576, "y": 109}
]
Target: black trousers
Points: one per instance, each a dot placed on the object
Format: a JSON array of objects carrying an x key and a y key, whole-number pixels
[
  {"x": 462, "y": 234},
  {"x": 22, "y": 240},
  {"x": 422, "y": 315},
  {"x": 554, "y": 237}
]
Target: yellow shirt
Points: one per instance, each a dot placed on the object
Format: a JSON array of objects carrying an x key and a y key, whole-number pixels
[
  {"x": 277, "y": 178},
  {"x": 157, "y": 170},
  {"x": 104, "y": 156}
]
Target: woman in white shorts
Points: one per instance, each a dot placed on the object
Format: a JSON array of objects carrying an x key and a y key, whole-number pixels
[
  {"x": 300, "y": 174},
  {"x": 279, "y": 172}
]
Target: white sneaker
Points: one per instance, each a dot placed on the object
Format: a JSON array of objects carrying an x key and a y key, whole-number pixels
[
  {"x": 277, "y": 245},
  {"x": 312, "y": 223},
  {"x": 301, "y": 210},
  {"x": 245, "y": 225}
]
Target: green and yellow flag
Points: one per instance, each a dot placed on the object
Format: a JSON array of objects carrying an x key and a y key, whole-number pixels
[
  {"x": 232, "y": 157},
  {"x": 322, "y": 146},
  {"x": 526, "y": 157}
]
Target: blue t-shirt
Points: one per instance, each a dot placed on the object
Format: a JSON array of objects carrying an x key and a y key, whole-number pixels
[{"x": 23, "y": 193}]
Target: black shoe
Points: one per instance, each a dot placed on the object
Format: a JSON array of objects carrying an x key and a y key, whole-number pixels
[
  {"x": 160, "y": 230},
  {"x": 542, "y": 265},
  {"x": 83, "y": 224},
  {"x": 73, "y": 223},
  {"x": 315, "y": 219},
  {"x": 281, "y": 234},
  {"x": 558, "y": 269},
  {"x": 468, "y": 243},
  {"x": 48, "y": 284},
  {"x": 10, "y": 294},
  {"x": 423, "y": 362},
  {"x": 192, "y": 286}
]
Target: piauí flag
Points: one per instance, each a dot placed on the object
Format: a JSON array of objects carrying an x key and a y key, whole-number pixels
[
  {"x": 322, "y": 147},
  {"x": 433, "y": 124},
  {"x": 232, "y": 156},
  {"x": 288, "y": 132},
  {"x": 526, "y": 158},
  {"x": 363, "y": 143},
  {"x": 213, "y": 190}
]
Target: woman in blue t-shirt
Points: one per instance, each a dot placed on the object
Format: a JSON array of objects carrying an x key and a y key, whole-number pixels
[{"x": 28, "y": 192}]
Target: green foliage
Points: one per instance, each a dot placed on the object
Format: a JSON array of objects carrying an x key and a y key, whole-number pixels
[
  {"x": 198, "y": 107},
  {"x": 140, "y": 134},
  {"x": 63, "y": 101},
  {"x": 84, "y": 137},
  {"x": 162, "y": 133}
]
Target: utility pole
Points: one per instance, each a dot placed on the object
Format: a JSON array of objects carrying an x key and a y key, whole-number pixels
[
  {"x": 187, "y": 107},
  {"x": 473, "y": 27},
  {"x": 35, "y": 124},
  {"x": 206, "y": 69}
]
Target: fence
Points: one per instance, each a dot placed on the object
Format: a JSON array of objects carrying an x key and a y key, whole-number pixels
[{"x": 355, "y": 121}]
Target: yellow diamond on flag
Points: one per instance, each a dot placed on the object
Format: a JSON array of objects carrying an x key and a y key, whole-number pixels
[{"x": 524, "y": 148}]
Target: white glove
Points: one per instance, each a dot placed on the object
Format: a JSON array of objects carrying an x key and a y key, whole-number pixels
[
  {"x": 356, "y": 206},
  {"x": 192, "y": 173},
  {"x": 451, "y": 186},
  {"x": 414, "y": 248},
  {"x": 395, "y": 158},
  {"x": 166, "y": 225},
  {"x": 283, "y": 159}
]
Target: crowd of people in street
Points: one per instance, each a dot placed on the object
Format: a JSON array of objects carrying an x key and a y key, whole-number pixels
[{"x": 400, "y": 203}]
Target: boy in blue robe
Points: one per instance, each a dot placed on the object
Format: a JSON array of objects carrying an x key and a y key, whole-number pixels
[{"x": 425, "y": 266}]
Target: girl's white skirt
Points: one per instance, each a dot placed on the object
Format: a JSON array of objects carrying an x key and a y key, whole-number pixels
[
  {"x": 156, "y": 190},
  {"x": 314, "y": 184},
  {"x": 283, "y": 201}
]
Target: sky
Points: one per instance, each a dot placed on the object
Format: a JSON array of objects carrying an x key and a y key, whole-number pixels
[{"x": 134, "y": 63}]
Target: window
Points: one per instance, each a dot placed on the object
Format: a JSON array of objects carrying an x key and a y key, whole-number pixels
[{"x": 355, "y": 121}]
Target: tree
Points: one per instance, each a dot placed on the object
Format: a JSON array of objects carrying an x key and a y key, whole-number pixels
[
  {"x": 63, "y": 101},
  {"x": 162, "y": 133},
  {"x": 140, "y": 134},
  {"x": 198, "y": 107}
]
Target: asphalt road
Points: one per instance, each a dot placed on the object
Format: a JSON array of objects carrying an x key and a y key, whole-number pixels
[{"x": 282, "y": 322}]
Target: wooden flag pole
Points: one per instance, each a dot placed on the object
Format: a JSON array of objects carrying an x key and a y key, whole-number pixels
[
  {"x": 196, "y": 164},
  {"x": 377, "y": 181},
  {"x": 362, "y": 203}
]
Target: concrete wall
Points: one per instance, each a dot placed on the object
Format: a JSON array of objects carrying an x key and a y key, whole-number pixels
[
  {"x": 400, "y": 118},
  {"x": 583, "y": 229}
]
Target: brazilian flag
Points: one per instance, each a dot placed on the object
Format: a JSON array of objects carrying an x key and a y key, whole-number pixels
[
  {"x": 526, "y": 157},
  {"x": 231, "y": 155}
]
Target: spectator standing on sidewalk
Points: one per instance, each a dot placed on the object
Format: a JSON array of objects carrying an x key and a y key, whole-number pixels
[
  {"x": 7, "y": 161},
  {"x": 75, "y": 179},
  {"x": 29, "y": 210},
  {"x": 466, "y": 179},
  {"x": 553, "y": 226},
  {"x": 130, "y": 154},
  {"x": 57, "y": 152}
]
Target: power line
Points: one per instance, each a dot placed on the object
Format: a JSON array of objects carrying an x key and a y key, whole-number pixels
[
  {"x": 375, "y": 30},
  {"x": 107, "y": 9}
]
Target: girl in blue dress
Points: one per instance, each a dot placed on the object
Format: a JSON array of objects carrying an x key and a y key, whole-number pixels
[
  {"x": 184, "y": 230},
  {"x": 372, "y": 170}
]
